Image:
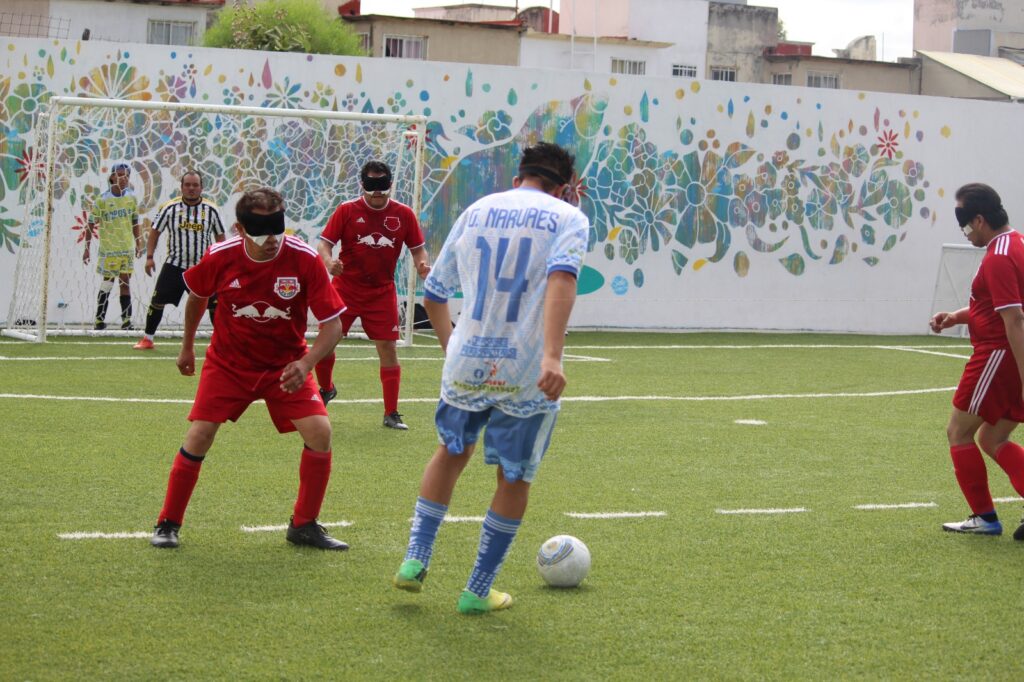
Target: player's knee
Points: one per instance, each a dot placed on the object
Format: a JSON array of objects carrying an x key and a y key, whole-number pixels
[
  {"x": 958, "y": 433},
  {"x": 990, "y": 442}
]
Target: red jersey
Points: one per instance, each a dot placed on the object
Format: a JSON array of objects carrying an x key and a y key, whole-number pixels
[
  {"x": 998, "y": 284},
  {"x": 371, "y": 240},
  {"x": 262, "y": 305}
]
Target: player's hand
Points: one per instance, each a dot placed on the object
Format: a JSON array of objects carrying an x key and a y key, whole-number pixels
[
  {"x": 187, "y": 362},
  {"x": 941, "y": 321},
  {"x": 150, "y": 266},
  {"x": 334, "y": 267},
  {"x": 423, "y": 269},
  {"x": 294, "y": 376},
  {"x": 139, "y": 250},
  {"x": 552, "y": 379}
]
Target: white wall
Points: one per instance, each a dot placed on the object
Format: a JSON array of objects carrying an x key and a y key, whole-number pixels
[{"x": 123, "y": 21}]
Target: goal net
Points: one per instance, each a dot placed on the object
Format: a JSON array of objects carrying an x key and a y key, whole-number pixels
[
  {"x": 312, "y": 157},
  {"x": 957, "y": 267}
]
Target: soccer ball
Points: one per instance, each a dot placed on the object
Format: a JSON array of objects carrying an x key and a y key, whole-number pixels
[{"x": 563, "y": 561}]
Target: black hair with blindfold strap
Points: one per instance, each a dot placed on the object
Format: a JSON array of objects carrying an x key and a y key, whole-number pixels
[
  {"x": 541, "y": 171},
  {"x": 257, "y": 225}
]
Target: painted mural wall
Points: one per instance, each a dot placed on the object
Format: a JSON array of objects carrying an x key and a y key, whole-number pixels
[{"x": 713, "y": 205}]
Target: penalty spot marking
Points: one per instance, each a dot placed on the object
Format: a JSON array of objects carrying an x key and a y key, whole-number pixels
[
  {"x": 791, "y": 510},
  {"x": 750, "y": 422},
  {"x": 269, "y": 529},
  {"x": 615, "y": 515},
  {"x": 904, "y": 505}
]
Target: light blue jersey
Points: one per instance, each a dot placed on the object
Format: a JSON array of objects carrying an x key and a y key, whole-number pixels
[{"x": 500, "y": 253}]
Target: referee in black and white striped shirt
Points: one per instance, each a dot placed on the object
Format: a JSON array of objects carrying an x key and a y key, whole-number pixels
[{"x": 192, "y": 224}]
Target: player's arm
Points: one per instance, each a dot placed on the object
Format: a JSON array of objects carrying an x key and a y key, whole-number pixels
[
  {"x": 294, "y": 374},
  {"x": 1013, "y": 319},
  {"x": 89, "y": 228},
  {"x": 558, "y": 302},
  {"x": 195, "y": 306},
  {"x": 326, "y": 249},
  {"x": 151, "y": 242},
  {"x": 942, "y": 321},
  {"x": 440, "y": 319},
  {"x": 420, "y": 259},
  {"x": 137, "y": 233}
]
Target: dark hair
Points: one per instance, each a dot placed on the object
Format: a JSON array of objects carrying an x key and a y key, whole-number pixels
[
  {"x": 980, "y": 199},
  {"x": 192, "y": 171},
  {"x": 548, "y": 163},
  {"x": 262, "y": 198},
  {"x": 374, "y": 167}
]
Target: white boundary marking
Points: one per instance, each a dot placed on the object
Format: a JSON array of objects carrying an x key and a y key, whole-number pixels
[
  {"x": 710, "y": 346},
  {"x": 103, "y": 536},
  {"x": 791, "y": 510},
  {"x": 911, "y": 349},
  {"x": 463, "y": 519},
  {"x": 268, "y": 529},
  {"x": 750, "y": 422},
  {"x": 615, "y": 515},
  {"x": 1008, "y": 499},
  {"x": 903, "y": 505},
  {"x": 584, "y": 358}
]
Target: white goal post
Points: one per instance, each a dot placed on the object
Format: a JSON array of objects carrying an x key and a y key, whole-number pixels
[
  {"x": 312, "y": 157},
  {"x": 957, "y": 266}
]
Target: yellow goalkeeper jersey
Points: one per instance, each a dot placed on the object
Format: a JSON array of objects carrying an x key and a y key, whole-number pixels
[{"x": 114, "y": 218}]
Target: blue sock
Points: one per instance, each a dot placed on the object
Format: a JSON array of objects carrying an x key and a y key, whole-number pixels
[
  {"x": 496, "y": 537},
  {"x": 426, "y": 520}
]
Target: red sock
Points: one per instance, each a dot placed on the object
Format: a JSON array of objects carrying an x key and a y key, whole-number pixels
[
  {"x": 969, "y": 466},
  {"x": 181, "y": 483},
  {"x": 1010, "y": 457},
  {"x": 324, "y": 371},
  {"x": 314, "y": 472},
  {"x": 390, "y": 380}
]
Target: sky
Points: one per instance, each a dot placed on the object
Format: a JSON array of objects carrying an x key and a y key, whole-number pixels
[{"x": 829, "y": 24}]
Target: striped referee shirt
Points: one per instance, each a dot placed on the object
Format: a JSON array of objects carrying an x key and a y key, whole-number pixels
[{"x": 190, "y": 230}]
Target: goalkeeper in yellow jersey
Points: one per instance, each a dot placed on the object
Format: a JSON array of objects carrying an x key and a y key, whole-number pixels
[{"x": 114, "y": 218}]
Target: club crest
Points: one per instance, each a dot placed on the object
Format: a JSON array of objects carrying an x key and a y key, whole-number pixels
[
  {"x": 392, "y": 222},
  {"x": 287, "y": 287}
]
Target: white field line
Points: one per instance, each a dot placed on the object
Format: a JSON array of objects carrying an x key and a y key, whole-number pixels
[
  {"x": 615, "y": 515},
  {"x": 584, "y": 358},
  {"x": 1008, "y": 499},
  {"x": 577, "y": 399},
  {"x": 791, "y": 510},
  {"x": 761, "y": 346},
  {"x": 103, "y": 536},
  {"x": 448, "y": 518},
  {"x": 911, "y": 349},
  {"x": 56, "y": 358},
  {"x": 750, "y": 422},
  {"x": 269, "y": 529},
  {"x": 904, "y": 505}
]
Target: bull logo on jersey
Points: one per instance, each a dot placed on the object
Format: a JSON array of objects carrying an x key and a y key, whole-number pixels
[
  {"x": 376, "y": 240},
  {"x": 261, "y": 312},
  {"x": 392, "y": 223},
  {"x": 287, "y": 287}
]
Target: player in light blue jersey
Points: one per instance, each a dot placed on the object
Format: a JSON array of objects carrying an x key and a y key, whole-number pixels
[{"x": 515, "y": 256}]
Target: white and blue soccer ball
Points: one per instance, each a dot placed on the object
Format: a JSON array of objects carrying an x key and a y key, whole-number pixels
[{"x": 563, "y": 561}]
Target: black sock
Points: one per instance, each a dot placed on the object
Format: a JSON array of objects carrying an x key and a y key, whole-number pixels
[
  {"x": 153, "y": 317},
  {"x": 991, "y": 517},
  {"x": 126, "y": 308},
  {"x": 102, "y": 298}
]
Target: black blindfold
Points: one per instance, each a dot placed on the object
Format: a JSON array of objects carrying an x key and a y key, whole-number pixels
[
  {"x": 381, "y": 184},
  {"x": 262, "y": 225},
  {"x": 964, "y": 215}
]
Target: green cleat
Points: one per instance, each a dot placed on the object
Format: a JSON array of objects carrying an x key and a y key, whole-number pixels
[
  {"x": 410, "y": 576},
  {"x": 471, "y": 604}
]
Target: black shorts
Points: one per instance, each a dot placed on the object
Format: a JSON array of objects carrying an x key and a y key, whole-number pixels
[{"x": 170, "y": 285}]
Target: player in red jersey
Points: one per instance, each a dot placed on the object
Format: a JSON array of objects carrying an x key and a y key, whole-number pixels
[
  {"x": 989, "y": 403},
  {"x": 265, "y": 283},
  {"x": 370, "y": 231}
]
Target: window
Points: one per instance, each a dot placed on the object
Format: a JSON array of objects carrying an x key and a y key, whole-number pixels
[
  {"x": 817, "y": 79},
  {"x": 631, "y": 67},
  {"x": 684, "y": 71},
  {"x": 405, "y": 47},
  {"x": 723, "y": 73},
  {"x": 364, "y": 43},
  {"x": 171, "y": 32},
  {"x": 782, "y": 79}
]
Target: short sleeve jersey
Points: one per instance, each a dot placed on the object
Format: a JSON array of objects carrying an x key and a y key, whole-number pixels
[
  {"x": 114, "y": 217},
  {"x": 190, "y": 230},
  {"x": 262, "y": 305},
  {"x": 500, "y": 253},
  {"x": 998, "y": 284},
  {"x": 371, "y": 240}
]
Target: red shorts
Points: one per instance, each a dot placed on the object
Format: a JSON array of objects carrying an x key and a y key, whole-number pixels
[
  {"x": 990, "y": 387},
  {"x": 376, "y": 308},
  {"x": 224, "y": 393}
]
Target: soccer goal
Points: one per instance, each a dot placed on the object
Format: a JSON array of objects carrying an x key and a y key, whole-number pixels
[
  {"x": 312, "y": 157},
  {"x": 957, "y": 267}
]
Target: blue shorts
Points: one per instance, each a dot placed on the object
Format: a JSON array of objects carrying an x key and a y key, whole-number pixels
[{"x": 517, "y": 444}]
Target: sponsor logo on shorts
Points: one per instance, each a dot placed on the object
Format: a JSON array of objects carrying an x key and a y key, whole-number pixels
[
  {"x": 261, "y": 312},
  {"x": 287, "y": 287}
]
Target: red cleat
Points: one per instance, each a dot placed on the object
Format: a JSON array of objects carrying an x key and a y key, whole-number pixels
[{"x": 144, "y": 344}]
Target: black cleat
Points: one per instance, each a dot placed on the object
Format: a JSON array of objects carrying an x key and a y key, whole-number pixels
[
  {"x": 394, "y": 421},
  {"x": 99, "y": 326},
  {"x": 127, "y": 325},
  {"x": 165, "y": 535},
  {"x": 313, "y": 534},
  {"x": 327, "y": 395},
  {"x": 1019, "y": 533}
]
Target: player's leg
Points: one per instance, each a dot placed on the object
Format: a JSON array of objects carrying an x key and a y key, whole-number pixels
[
  {"x": 390, "y": 382},
  {"x": 994, "y": 439},
  {"x": 126, "y": 297},
  {"x": 971, "y": 475},
  {"x": 103, "y": 299},
  {"x": 516, "y": 446},
  {"x": 459, "y": 431},
  {"x": 324, "y": 370},
  {"x": 169, "y": 289},
  {"x": 182, "y": 481}
]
